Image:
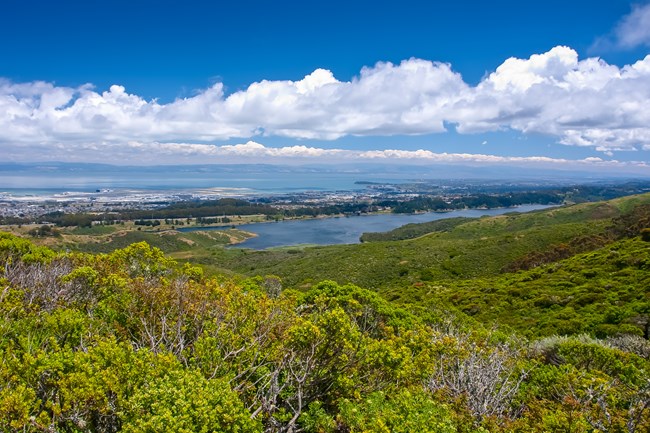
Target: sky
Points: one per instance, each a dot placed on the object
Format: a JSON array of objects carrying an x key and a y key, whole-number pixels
[{"x": 549, "y": 83}]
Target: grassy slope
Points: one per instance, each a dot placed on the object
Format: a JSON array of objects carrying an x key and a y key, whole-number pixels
[
  {"x": 197, "y": 246},
  {"x": 602, "y": 292},
  {"x": 481, "y": 247},
  {"x": 414, "y": 230}
]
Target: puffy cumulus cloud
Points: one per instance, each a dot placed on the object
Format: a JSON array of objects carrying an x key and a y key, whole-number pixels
[
  {"x": 252, "y": 148},
  {"x": 582, "y": 102},
  {"x": 579, "y": 102},
  {"x": 519, "y": 75},
  {"x": 387, "y": 99}
]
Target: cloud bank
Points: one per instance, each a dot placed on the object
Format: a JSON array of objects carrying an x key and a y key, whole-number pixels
[
  {"x": 580, "y": 102},
  {"x": 175, "y": 153}
]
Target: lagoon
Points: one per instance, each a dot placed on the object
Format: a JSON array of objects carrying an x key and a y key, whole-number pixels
[{"x": 345, "y": 230}]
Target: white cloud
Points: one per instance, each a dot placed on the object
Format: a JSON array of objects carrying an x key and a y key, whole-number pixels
[
  {"x": 583, "y": 103},
  {"x": 188, "y": 153},
  {"x": 634, "y": 29},
  {"x": 519, "y": 75},
  {"x": 579, "y": 102}
]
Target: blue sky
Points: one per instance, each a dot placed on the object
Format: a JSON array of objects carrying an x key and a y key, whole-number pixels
[{"x": 196, "y": 81}]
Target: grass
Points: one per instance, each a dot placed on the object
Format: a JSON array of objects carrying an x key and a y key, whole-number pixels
[
  {"x": 415, "y": 230},
  {"x": 95, "y": 230},
  {"x": 104, "y": 239}
]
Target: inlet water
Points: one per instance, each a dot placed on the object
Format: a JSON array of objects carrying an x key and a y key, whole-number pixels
[{"x": 345, "y": 230}]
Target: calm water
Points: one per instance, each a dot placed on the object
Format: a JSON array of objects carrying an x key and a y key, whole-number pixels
[
  {"x": 43, "y": 185},
  {"x": 251, "y": 179},
  {"x": 345, "y": 230}
]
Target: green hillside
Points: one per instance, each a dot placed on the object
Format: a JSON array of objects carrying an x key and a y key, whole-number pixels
[
  {"x": 476, "y": 248},
  {"x": 132, "y": 341},
  {"x": 603, "y": 292},
  {"x": 414, "y": 230}
]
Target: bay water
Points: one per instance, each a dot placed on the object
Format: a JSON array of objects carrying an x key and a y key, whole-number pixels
[{"x": 345, "y": 229}]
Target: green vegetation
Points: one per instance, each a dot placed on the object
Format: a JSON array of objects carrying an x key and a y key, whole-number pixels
[
  {"x": 603, "y": 293},
  {"x": 415, "y": 230},
  {"x": 96, "y": 229},
  {"x": 133, "y": 341},
  {"x": 517, "y": 323},
  {"x": 168, "y": 241},
  {"x": 44, "y": 231},
  {"x": 473, "y": 201}
]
